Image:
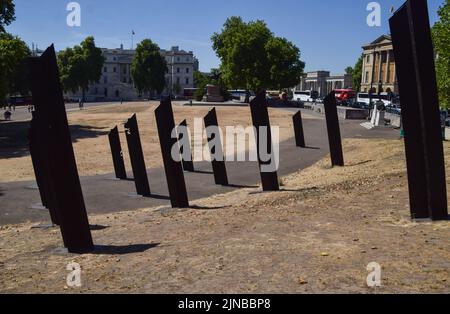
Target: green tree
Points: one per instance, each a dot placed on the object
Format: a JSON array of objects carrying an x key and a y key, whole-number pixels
[
  {"x": 252, "y": 58},
  {"x": 148, "y": 68},
  {"x": 357, "y": 74},
  {"x": 441, "y": 40},
  {"x": 13, "y": 78},
  {"x": 80, "y": 66},
  {"x": 200, "y": 82},
  {"x": 7, "y": 14},
  {"x": 349, "y": 70}
]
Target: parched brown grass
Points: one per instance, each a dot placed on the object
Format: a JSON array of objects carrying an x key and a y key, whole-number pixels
[{"x": 317, "y": 235}]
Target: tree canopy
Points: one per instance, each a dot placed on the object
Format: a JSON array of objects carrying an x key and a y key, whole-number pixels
[
  {"x": 148, "y": 68},
  {"x": 357, "y": 74},
  {"x": 253, "y": 58},
  {"x": 7, "y": 14},
  {"x": 80, "y": 66},
  {"x": 441, "y": 40},
  {"x": 13, "y": 78}
]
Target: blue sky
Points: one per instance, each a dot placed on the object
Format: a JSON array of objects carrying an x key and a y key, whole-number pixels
[{"x": 329, "y": 33}]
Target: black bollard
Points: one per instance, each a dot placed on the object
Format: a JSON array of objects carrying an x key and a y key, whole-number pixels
[
  {"x": 185, "y": 150},
  {"x": 334, "y": 132},
  {"x": 414, "y": 57},
  {"x": 298, "y": 128},
  {"x": 260, "y": 118},
  {"x": 54, "y": 135},
  {"x": 117, "y": 154},
  {"x": 137, "y": 157},
  {"x": 215, "y": 148},
  {"x": 169, "y": 143}
]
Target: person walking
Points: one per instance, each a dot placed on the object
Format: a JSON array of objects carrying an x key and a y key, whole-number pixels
[{"x": 7, "y": 115}]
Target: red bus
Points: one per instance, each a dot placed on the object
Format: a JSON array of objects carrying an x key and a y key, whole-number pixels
[{"x": 344, "y": 95}]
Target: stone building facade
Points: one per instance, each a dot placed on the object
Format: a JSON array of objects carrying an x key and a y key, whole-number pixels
[
  {"x": 378, "y": 69},
  {"x": 324, "y": 83},
  {"x": 116, "y": 82}
]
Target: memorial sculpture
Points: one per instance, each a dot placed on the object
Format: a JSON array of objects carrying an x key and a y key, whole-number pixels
[
  {"x": 215, "y": 147},
  {"x": 414, "y": 57},
  {"x": 172, "y": 166},
  {"x": 50, "y": 131}
]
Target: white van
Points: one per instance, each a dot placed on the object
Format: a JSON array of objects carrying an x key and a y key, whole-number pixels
[
  {"x": 364, "y": 98},
  {"x": 305, "y": 96}
]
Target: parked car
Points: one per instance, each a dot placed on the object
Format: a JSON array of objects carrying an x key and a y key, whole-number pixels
[{"x": 394, "y": 109}]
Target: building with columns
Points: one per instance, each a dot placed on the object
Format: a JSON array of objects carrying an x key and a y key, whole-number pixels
[
  {"x": 116, "y": 82},
  {"x": 324, "y": 83},
  {"x": 378, "y": 68}
]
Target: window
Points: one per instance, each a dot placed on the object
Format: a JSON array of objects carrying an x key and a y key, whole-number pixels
[
  {"x": 187, "y": 80},
  {"x": 178, "y": 80},
  {"x": 368, "y": 59},
  {"x": 187, "y": 70},
  {"x": 105, "y": 79},
  {"x": 178, "y": 70},
  {"x": 178, "y": 59},
  {"x": 114, "y": 69},
  {"x": 366, "y": 80},
  {"x": 105, "y": 69}
]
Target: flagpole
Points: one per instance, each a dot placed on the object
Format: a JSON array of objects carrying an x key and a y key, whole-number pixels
[{"x": 132, "y": 40}]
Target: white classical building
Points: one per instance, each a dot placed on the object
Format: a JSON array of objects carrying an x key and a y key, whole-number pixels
[
  {"x": 116, "y": 82},
  {"x": 323, "y": 82}
]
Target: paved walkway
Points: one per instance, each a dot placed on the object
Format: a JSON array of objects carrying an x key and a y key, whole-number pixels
[{"x": 103, "y": 194}]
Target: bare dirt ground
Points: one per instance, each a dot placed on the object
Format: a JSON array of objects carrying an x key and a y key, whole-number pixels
[
  {"x": 316, "y": 236},
  {"x": 89, "y": 129}
]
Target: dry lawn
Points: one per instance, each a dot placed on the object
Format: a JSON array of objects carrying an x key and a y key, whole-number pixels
[{"x": 318, "y": 235}]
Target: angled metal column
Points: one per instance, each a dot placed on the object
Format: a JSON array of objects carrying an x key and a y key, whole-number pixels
[
  {"x": 414, "y": 57},
  {"x": 298, "y": 128},
  {"x": 188, "y": 165},
  {"x": 137, "y": 157},
  {"x": 40, "y": 159},
  {"x": 260, "y": 118},
  {"x": 173, "y": 168},
  {"x": 215, "y": 148},
  {"x": 63, "y": 174},
  {"x": 117, "y": 154},
  {"x": 334, "y": 132}
]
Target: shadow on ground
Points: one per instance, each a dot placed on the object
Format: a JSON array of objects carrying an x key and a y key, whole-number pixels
[
  {"x": 14, "y": 137},
  {"x": 123, "y": 250}
]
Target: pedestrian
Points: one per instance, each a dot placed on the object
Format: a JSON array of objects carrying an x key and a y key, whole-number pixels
[
  {"x": 80, "y": 104},
  {"x": 7, "y": 115}
]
